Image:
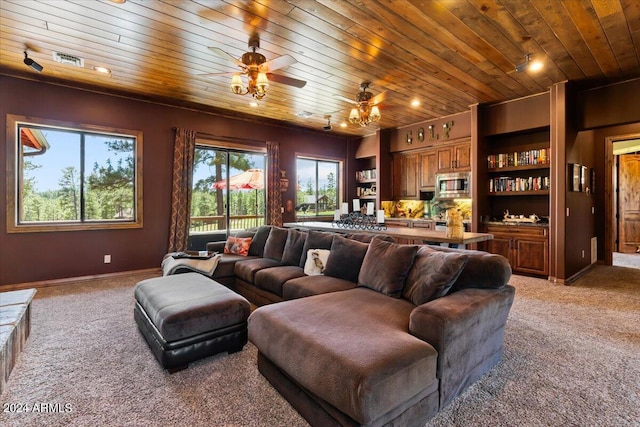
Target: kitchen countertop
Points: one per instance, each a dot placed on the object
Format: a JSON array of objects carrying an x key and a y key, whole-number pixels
[
  {"x": 522, "y": 224},
  {"x": 398, "y": 232}
]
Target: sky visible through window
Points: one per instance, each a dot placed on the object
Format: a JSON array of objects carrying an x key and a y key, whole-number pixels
[{"x": 64, "y": 151}]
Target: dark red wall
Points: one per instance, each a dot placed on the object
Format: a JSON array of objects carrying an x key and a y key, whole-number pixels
[{"x": 27, "y": 257}]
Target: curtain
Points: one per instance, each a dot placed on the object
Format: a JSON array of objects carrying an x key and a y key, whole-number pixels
[
  {"x": 274, "y": 197},
  {"x": 183, "y": 151}
]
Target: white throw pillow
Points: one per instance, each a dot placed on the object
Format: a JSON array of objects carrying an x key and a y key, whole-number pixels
[{"x": 316, "y": 261}]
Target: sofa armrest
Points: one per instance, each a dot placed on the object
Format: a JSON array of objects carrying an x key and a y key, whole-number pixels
[
  {"x": 216, "y": 246},
  {"x": 467, "y": 330}
]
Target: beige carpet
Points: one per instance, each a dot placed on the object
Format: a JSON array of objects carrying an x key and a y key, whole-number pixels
[{"x": 572, "y": 358}]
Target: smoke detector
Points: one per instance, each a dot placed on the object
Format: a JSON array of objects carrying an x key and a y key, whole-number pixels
[{"x": 65, "y": 58}]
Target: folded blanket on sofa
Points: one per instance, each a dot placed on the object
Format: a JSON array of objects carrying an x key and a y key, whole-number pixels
[{"x": 205, "y": 266}]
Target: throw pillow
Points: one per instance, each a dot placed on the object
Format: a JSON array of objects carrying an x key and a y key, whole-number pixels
[
  {"x": 316, "y": 240},
  {"x": 345, "y": 259},
  {"x": 316, "y": 261},
  {"x": 259, "y": 240},
  {"x": 433, "y": 274},
  {"x": 385, "y": 267},
  {"x": 293, "y": 247},
  {"x": 274, "y": 246},
  {"x": 237, "y": 245}
]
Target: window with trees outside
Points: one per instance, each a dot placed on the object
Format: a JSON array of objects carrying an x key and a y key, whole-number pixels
[
  {"x": 229, "y": 191},
  {"x": 72, "y": 177},
  {"x": 318, "y": 187}
]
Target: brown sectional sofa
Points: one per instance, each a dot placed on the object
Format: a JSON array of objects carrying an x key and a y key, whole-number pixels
[{"x": 389, "y": 335}]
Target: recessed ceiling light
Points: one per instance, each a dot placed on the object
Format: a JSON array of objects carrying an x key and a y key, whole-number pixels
[
  {"x": 343, "y": 124},
  {"x": 415, "y": 103},
  {"x": 253, "y": 104},
  {"x": 118, "y": 1},
  {"x": 102, "y": 70}
]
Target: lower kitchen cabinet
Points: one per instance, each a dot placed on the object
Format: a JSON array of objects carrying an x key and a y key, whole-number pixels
[{"x": 526, "y": 247}]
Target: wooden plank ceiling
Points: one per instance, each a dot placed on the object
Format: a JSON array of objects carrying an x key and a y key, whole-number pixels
[{"x": 449, "y": 54}]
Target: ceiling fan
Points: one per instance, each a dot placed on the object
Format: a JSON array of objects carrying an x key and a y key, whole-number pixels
[
  {"x": 366, "y": 106},
  {"x": 258, "y": 70}
]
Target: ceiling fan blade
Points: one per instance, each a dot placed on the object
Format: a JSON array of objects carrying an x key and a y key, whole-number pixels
[
  {"x": 277, "y": 63},
  {"x": 222, "y": 54},
  {"x": 378, "y": 98},
  {"x": 286, "y": 80},
  {"x": 342, "y": 98}
]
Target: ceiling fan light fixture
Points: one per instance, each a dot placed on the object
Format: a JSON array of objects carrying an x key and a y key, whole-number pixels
[
  {"x": 262, "y": 84},
  {"x": 354, "y": 116},
  {"x": 375, "y": 114},
  {"x": 236, "y": 85}
]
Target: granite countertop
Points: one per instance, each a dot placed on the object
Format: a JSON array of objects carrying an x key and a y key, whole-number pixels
[{"x": 522, "y": 224}]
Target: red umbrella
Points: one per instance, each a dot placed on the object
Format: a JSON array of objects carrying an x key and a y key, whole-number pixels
[{"x": 251, "y": 179}]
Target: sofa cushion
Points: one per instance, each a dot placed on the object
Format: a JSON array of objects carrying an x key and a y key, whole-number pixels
[
  {"x": 293, "y": 247},
  {"x": 316, "y": 261},
  {"x": 272, "y": 279},
  {"x": 432, "y": 275},
  {"x": 246, "y": 270},
  {"x": 483, "y": 270},
  {"x": 306, "y": 286},
  {"x": 259, "y": 240},
  {"x": 226, "y": 265},
  {"x": 274, "y": 247},
  {"x": 237, "y": 245},
  {"x": 345, "y": 258},
  {"x": 316, "y": 240},
  {"x": 385, "y": 267},
  {"x": 376, "y": 365}
]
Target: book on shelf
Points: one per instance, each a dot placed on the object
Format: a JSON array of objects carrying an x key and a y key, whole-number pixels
[
  {"x": 518, "y": 158},
  {"x": 366, "y": 175},
  {"x": 513, "y": 184}
]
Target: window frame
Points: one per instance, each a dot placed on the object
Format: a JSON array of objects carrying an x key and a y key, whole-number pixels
[
  {"x": 339, "y": 180},
  {"x": 13, "y": 168}
]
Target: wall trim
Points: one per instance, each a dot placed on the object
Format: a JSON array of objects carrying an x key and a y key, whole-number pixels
[{"x": 79, "y": 279}]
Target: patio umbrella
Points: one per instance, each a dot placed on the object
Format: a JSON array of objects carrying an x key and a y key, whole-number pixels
[{"x": 251, "y": 179}]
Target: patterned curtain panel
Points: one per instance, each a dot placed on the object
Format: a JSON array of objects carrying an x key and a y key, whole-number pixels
[
  {"x": 183, "y": 151},
  {"x": 274, "y": 197}
]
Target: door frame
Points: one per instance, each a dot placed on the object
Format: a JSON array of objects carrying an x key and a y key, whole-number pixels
[{"x": 611, "y": 197}]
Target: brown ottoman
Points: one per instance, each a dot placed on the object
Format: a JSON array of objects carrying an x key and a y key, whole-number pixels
[{"x": 186, "y": 317}]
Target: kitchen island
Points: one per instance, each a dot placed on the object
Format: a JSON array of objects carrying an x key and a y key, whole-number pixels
[{"x": 417, "y": 235}]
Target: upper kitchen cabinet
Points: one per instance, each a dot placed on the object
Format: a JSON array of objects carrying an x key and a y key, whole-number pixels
[
  {"x": 454, "y": 157},
  {"x": 427, "y": 168},
  {"x": 405, "y": 176}
]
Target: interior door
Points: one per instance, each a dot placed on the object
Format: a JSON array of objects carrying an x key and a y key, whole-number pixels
[{"x": 629, "y": 203}]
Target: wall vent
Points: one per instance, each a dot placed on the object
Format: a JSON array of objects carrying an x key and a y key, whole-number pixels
[{"x": 65, "y": 58}]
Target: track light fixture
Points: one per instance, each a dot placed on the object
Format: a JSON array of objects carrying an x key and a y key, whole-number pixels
[
  {"x": 528, "y": 65},
  {"x": 31, "y": 63}
]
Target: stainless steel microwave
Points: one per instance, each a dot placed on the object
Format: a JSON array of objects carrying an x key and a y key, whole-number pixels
[{"x": 455, "y": 185}]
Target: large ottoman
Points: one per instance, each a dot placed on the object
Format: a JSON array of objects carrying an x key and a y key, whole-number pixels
[{"x": 186, "y": 317}]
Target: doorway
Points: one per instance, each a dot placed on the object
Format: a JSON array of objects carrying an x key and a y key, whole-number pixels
[
  {"x": 229, "y": 193},
  {"x": 622, "y": 204}
]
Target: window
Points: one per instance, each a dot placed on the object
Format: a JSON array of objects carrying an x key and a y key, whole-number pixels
[
  {"x": 318, "y": 187},
  {"x": 72, "y": 177},
  {"x": 228, "y": 191}
]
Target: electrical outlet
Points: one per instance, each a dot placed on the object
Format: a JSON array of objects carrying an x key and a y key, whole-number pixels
[
  {"x": 583, "y": 254},
  {"x": 567, "y": 211},
  {"x": 107, "y": 259}
]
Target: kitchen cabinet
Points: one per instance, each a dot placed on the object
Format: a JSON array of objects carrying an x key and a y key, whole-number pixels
[
  {"x": 427, "y": 171},
  {"x": 525, "y": 246},
  {"x": 454, "y": 157},
  {"x": 405, "y": 176}
]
